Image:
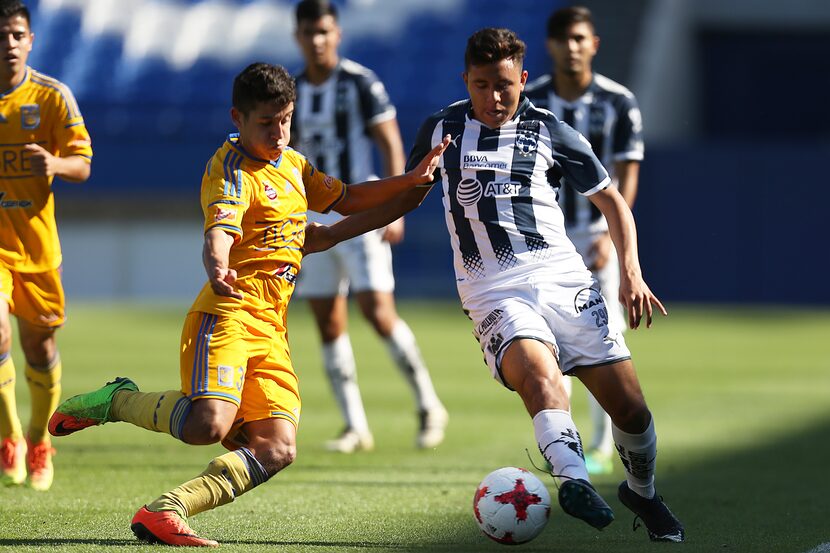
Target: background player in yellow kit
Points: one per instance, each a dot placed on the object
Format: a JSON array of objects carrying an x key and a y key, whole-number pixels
[
  {"x": 42, "y": 135},
  {"x": 237, "y": 382}
]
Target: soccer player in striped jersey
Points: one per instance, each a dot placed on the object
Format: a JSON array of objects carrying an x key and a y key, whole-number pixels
[
  {"x": 343, "y": 110},
  {"x": 606, "y": 113},
  {"x": 238, "y": 385},
  {"x": 535, "y": 307},
  {"x": 42, "y": 135}
]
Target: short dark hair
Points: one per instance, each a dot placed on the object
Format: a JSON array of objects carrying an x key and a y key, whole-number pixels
[
  {"x": 561, "y": 19},
  {"x": 11, "y": 8},
  {"x": 262, "y": 82},
  {"x": 312, "y": 10},
  {"x": 492, "y": 45}
]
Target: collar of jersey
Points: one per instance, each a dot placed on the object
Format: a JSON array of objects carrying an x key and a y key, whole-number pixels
[
  {"x": 18, "y": 85},
  {"x": 233, "y": 138}
]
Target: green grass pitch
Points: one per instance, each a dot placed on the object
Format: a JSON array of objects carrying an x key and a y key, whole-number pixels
[{"x": 741, "y": 398}]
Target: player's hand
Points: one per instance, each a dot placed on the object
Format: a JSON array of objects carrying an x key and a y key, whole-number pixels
[
  {"x": 600, "y": 251},
  {"x": 639, "y": 300},
  {"x": 42, "y": 162},
  {"x": 222, "y": 280},
  {"x": 317, "y": 238},
  {"x": 422, "y": 173},
  {"x": 393, "y": 232}
]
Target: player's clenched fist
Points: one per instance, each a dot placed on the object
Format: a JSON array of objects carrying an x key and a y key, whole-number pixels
[{"x": 42, "y": 162}]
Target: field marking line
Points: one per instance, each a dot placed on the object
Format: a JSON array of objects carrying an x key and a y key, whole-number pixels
[{"x": 823, "y": 548}]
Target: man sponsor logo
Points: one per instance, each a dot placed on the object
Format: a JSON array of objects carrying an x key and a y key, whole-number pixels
[
  {"x": 287, "y": 272},
  {"x": 481, "y": 161},
  {"x": 8, "y": 204},
  {"x": 30, "y": 116},
  {"x": 222, "y": 214},
  {"x": 491, "y": 319},
  {"x": 496, "y": 341},
  {"x": 270, "y": 192},
  {"x": 586, "y": 299}
]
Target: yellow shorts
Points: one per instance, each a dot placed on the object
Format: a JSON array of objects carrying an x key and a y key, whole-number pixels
[
  {"x": 37, "y": 298},
  {"x": 246, "y": 363}
]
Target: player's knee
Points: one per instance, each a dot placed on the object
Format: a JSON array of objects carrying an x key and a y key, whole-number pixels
[
  {"x": 277, "y": 456},
  {"x": 39, "y": 350},
  {"x": 633, "y": 417}
]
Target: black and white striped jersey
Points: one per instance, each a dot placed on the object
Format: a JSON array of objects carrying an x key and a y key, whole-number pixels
[
  {"x": 500, "y": 190},
  {"x": 608, "y": 116},
  {"x": 332, "y": 120}
]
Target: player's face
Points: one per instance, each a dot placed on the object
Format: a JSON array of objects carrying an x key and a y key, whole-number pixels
[
  {"x": 495, "y": 90},
  {"x": 572, "y": 54},
  {"x": 319, "y": 40},
  {"x": 266, "y": 130},
  {"x": 16, "y": 40}
]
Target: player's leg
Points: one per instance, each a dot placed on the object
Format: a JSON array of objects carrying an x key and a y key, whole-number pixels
[
  {"x": 617, "y": 389},
  {"x": 12, "y": 443},
  {"x": 599, "y": 454},
  {"x": 324, "y": 281},
  {"x": 369, "y": 266},
  {"x": 263, "y": 438},
  {"x": 39, "y": 307}
]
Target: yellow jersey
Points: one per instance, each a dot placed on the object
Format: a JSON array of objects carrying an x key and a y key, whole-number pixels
[
  {"x": 263, "y": 205},
  {"x": 40, "y": 110}
]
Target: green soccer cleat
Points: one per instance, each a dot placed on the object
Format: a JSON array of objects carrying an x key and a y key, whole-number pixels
[
  {"x": 85, "y": 410},
  {"x": 598, "y": 462}
]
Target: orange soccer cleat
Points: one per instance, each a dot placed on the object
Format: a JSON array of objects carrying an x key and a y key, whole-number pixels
[
  {"x": 13, "y": 461},
  {"x": 166, "y": 527},
  {"x": 39, "y": 463}
]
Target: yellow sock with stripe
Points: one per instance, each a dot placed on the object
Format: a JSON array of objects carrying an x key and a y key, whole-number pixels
[
  {"x": 156, "y": 411},
  {"x": 226, "y": 478},
  {"x": 9, "y": 421},
  {"x": 45, "y": 389}
]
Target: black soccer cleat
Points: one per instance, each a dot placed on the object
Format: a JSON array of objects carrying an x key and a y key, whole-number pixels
[
  {"x": 660, "y": 522},
  {"x": 579, "y": 499}
]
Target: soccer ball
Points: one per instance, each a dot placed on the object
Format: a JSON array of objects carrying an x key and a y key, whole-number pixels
[{"x": 511, "y": 505}]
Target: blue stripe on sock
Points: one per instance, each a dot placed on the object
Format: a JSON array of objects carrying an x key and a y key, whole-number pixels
[
  {"x": 4, "y": 356},
  {"x": 179, "y": 416},
  {"x": 255, "y": 469}
]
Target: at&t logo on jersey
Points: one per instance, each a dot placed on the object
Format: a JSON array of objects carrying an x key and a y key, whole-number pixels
[{"x": 470, "y": 190}]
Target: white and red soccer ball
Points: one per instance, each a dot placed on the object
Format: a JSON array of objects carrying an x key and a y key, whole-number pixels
[{"x": 511, "y": 505}]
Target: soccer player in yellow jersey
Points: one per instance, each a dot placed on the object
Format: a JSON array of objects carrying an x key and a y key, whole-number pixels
[
  {"x": 42, "y": 135},
  {"x": 238, "y": 385}
]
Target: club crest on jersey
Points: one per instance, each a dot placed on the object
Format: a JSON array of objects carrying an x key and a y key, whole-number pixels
[
  {"x": 222, "y": 214},
  {"x": 586, "y": 299},
  {"x": 30, "y": 116},
  {"x": 527, "y": 142},
  {"x": 270, "y": 191}
]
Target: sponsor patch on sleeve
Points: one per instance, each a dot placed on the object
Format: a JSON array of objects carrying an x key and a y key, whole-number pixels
[{"x": 224, "y": 214}]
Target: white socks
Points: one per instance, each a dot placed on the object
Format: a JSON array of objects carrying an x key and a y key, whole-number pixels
[
  {"x": 338, "y": 359},
  {"x": 559, "y": 443},
  {"x": 404, "y": 350},
  {"x": 638, "y": 453}
]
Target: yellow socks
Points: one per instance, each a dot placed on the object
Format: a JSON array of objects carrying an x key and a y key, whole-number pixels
[
  {"x": 156, "y": 411},
  {"x": 45, "y": 389},
  {"x": 226, "y": 477},
  {"x": 9, "y": 422}
]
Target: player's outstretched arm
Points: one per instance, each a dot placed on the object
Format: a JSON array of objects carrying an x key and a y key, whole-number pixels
[
  {"x": 635, "y": 294},
  {"x": 215, "y": 256},
  {"x": 70, "y": 168},
  {"x": 371, "y": 194}
]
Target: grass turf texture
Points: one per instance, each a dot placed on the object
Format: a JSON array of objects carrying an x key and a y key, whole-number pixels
[{"x": 740, "y": 397}]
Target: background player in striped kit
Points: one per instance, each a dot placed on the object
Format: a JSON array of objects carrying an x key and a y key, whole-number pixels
[
  {"x": 343, "y": 110},
  {"x": 606, "y": 113},
  {"x": 532, "y": 301},
  {"x": 43, "y": 135}
]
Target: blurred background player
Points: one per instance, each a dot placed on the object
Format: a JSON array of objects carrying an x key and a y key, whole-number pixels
[
  {"x": 606, "y": 113},
  {"x": 342, "y": 109},
  {"x": 42, "y": 135}
]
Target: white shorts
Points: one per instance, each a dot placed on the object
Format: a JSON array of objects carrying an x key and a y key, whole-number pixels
[
  {"x": 571, "y": 317},
  {"x": 361, "y": 264},
  {"x": 608, "y": 279}
]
